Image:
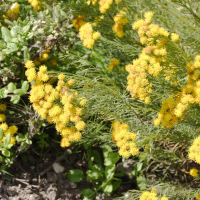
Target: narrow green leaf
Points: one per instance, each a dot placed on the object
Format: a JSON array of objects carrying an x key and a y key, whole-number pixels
[
  {"x": 7, "y": 140},
  {"x": 1, "y": 133},
  {"x": 26, "y": 55}
]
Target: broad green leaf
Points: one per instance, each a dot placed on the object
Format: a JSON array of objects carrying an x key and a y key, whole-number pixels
[
  {"x": 3, "y": 93},
  {"x": 109, "y": 171},
  {"x": 75, "y": 175},
  {"x": 20, "y": 91},
  {"x": 2, "y": 44},
  {"x": 11, "y": 87},
  {"x": 111, "y": 158},
  {"x": 116, "y": 184},
  {"x": 87, "y": 194},
  {"x": 7, "y": 140},
  {"x": 6, "y": 35},
  {"x": 5, "y": 152},
  {"x": 107, "y": 187},
  {"x": 15, "y": 99},
  {"x": 15, "y": 31},
  {"x": 141, "y": 182},
  {"x": 120, "y": 174},
  {"x": 25, "y": 85},
  {"x": 1, "y": 133},
  {"x": 15, "y": 40},
  {"x": 95, "y": 173}
]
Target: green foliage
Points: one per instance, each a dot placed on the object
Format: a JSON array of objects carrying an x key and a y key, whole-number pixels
[{"x": 74, "y": 175}]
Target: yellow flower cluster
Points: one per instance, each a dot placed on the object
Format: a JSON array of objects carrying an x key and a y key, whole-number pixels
[
  {"x": 88, "y": 36},
  {"x": 194, "y": 172},
  {"x": 113, "y": 64},
  {"x": 43, "y": 58},
  {"x": 14, "y": 11},
  {"x": 152, "y": 60},
  {"x": 91, "y": 1},
  {"x": 151, "y": 195},
  {"x": 104, "y": 5},
  {"x": 58, "y": 105},
  {"x": 124, "y": 139},
  {"x": 167, "y": 113},
  {"x": 120, "y": 21},
  {"x": 174, "y": 107},
  {"x": 197, "y": 197},
  {"x": 194, "y": 150},
  {"x": 36, "y": 4},
  {"x": 11, "y": 129},
  {"x": 78, "y": 22}
]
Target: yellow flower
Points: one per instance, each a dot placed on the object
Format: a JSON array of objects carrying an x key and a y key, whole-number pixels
[
  {"x": 83, "y": 102},
  {"x": 2, "y": 117},
  {"x": 29, "y": 64},
  {"x": 3, "y": 106},
  {"x": 174, "y": 37},
  {"x": 194, "y": 172}
]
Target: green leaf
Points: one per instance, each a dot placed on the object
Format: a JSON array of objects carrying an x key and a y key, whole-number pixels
[
  {"x": 6, "y": 35},
  {"x": 2, "y": 55},
  {"x": 11, "y": 87},
  {"x": 15, "y": 31},
  {"x": 15, "y": 99},
  {"x": 136, "y": 169},
  {"x": 25, "y": 85},
  {"x": 3, "y": 93},
  {"x": 9, "y": 22},
  {"x": 26, "y": 29},
  {"x": 2, "y": 44},
  {"x": 111, "y": 158},
  {"x": 75, "y": 175},
  {"x": 1, "y": 133},
  {"x": 2, "y": 159},
  {"x": 16, "y": 59},
  {"x": 95, "y": 173},
  {"x": 97, "y": 156},
  {"x": 120, "y": 174},
  {"x": 15, "y": 40},
  {"x": 26, "y": 55},
  {"x": 109, "y": 171},
  {"x": 116, "y": 184},
  {"x": 20, "y": 91},
  {"x": 88, "y": 194},
  {"x": 5, "y": 152},
  {"x": 141, "y": 182},
  {"x": 7, "y": 140},
  {"x": 107, "y": 187}
]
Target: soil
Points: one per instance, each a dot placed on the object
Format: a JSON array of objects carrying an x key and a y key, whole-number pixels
[{"x": 35, "y": 179}]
